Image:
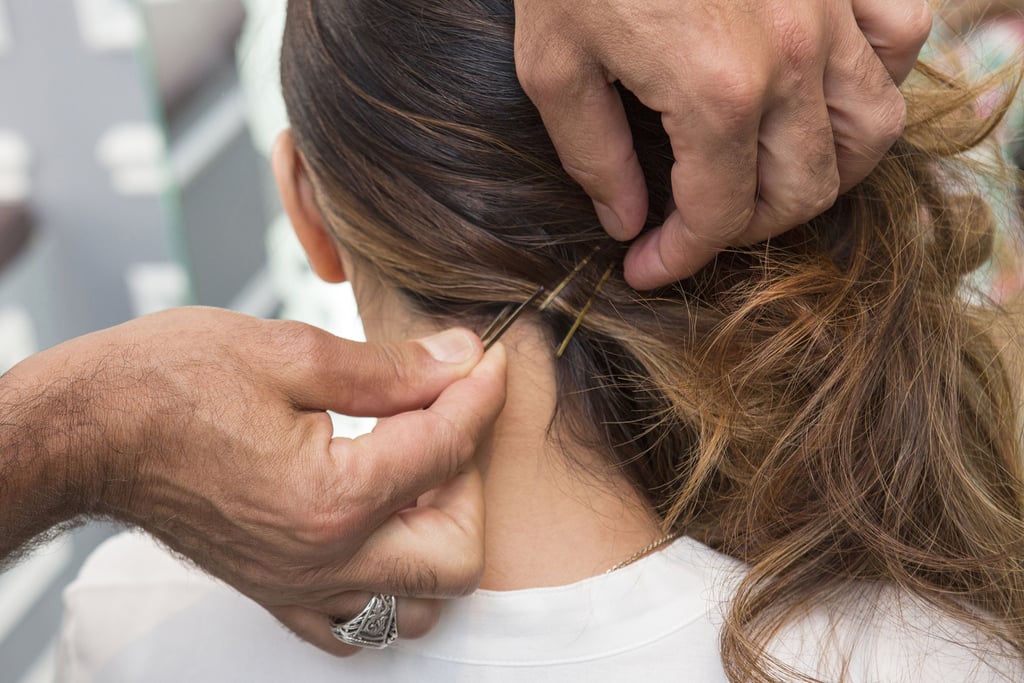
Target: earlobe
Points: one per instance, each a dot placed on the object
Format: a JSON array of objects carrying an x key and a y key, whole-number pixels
[{"x": 296, "y": 190}]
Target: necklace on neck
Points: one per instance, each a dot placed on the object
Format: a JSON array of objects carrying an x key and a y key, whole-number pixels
[{"x": 646, "y": 550}]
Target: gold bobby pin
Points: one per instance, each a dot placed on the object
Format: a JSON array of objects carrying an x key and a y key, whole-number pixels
[
  {"x": 511, "y": 312},
  {"x": 568, "y": 278},
  {"x": 506, "y": 318},
  {"x": 583, "y": 311}
]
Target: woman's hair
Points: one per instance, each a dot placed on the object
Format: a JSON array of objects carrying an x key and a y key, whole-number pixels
[{"x": 831, "y": 406}]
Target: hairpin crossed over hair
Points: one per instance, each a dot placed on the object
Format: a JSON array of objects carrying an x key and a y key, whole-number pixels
[
  {"x": 508, "y": 315},
  {"x": 511, "y": 313}
]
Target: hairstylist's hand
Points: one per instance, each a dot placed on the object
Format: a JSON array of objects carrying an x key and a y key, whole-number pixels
[
  {"x": 206, "y": 428},
  {"x": 773, "y": 107}
]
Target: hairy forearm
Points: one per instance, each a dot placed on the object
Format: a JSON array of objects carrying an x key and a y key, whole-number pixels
[{"x": 48, "y": 445}]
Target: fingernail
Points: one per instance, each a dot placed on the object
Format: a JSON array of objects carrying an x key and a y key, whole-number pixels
[
  {"x": 450, "y": 346},
  {"x": 609, "y": 219}
]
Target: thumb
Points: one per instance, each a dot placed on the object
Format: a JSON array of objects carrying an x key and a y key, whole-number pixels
[
  {"x": 376, "y": 380},
  {"x": 419, "y": 450}
]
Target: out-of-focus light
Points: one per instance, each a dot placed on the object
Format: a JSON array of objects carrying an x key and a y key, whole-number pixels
[
  {"x": 19, "y": 335},
  {"x": 110, "y": 25},
  {"x": 5, "y": 28},
  {"x": 15, "y": 160},
  {"x": 136, "y": 156}
]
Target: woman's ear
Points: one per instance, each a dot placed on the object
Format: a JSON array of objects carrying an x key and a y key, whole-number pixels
[{"x": 296, "y": 191}]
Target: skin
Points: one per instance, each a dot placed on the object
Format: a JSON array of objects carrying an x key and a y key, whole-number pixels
[
  {"x": 538, "y": 504},
  {"x": 206, "y": 428},
  {"x": 773, "y": 108}
]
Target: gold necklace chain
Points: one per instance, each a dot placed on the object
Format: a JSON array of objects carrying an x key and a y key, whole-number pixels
[{"x": 646, "y": 550}]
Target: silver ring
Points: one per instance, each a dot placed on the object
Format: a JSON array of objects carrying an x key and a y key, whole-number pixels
[{"x": 375, "y": 627}]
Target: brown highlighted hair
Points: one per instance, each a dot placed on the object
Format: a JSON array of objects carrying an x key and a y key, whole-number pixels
[{"x": 834, "y": 406}]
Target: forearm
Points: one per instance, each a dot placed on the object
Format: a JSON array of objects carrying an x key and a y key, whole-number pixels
[{"x": 48, "y": 450}]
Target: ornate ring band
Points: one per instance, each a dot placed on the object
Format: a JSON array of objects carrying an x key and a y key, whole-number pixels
[{"x": 375, "y": 627}]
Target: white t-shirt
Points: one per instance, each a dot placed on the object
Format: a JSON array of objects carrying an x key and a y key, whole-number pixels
[{"x": 138, "y": 614}]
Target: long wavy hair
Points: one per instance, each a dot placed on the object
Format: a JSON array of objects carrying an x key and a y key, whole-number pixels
[{"x": 833, "y": 406}]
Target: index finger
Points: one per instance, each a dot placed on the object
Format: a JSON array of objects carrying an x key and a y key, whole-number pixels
[
  {"x": 584, "y": 116},
  {"x": 413, "y": 452},
  {"x": 896, "y": 30},
  {"x": 714, "y": 186}
]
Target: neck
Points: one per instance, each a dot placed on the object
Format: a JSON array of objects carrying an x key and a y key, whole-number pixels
[{"x": 556, "y": 513}]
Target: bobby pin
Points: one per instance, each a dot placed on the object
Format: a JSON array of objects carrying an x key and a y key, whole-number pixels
[
  {"x": 508, "y": 315},
  {"x": 511, "y": 312},
  {"x": 567, "y": 279},
  {"x": 583, "y": 311}
]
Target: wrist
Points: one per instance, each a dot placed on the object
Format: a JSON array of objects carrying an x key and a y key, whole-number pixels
[
  {"x": 67, "y": 426},
  {"x": 46, "y": 442}
]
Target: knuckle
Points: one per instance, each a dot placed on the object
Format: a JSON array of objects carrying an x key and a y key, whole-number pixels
[
  {"x": 738, "y": 96},
  {"x": 457, "y": 444},
  {"x": 310, "y": 439},
  {"x": 891, "y": 120},
  {"x": 330, "y": 519},
  {"x": 797, "y": 43},
  {"x": 822, "y": 201},
  {"x": 369, "y": 484},
  {"x": 808, "y": 195},
  {"x": 811, "y": 204},
  {"x": 298, "y": 335},
  {"x": 319, "y": 429},
  {"x": 546, "y": 73},
  {"x": 299, "y": 342},
  {"x": 730, "y": 225}
]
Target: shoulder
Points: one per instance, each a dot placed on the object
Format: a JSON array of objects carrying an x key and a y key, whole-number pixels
[
  {"x": 868, "y": 633},
  {"x": 878, "y": 633},
  {"x": 126, "y": 587}
]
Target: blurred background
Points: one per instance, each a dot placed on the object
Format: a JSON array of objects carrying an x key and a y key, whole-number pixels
[{"x": 134, "y": 137}]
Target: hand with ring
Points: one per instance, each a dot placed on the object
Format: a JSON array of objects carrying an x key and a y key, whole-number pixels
[
  {"x": 400, "y": 588},
  {"x": 375, "y": 627},
  {"x": 207, "y": 429}
]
